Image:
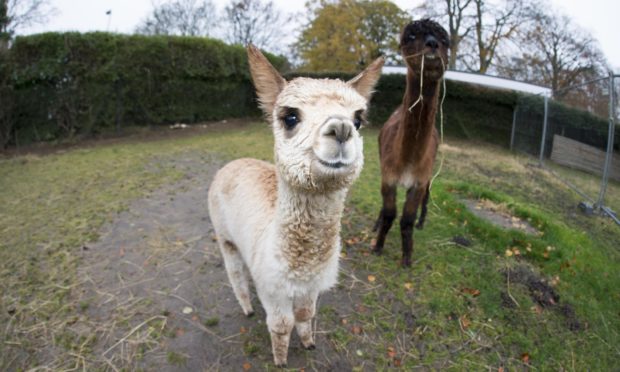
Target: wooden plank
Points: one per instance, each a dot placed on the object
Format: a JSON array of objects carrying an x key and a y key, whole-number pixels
[{"x": 575, "y": 154}]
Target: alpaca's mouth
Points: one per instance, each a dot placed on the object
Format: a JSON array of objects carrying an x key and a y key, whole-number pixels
[
  {"x": 431, "y": 56},
  {"x": 333, "y": 164}
]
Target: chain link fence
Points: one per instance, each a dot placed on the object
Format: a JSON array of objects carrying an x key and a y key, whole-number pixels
[{"x": 573, "y": 134}]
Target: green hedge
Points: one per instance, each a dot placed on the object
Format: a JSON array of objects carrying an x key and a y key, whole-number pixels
[{"x": 65, "y": 84}]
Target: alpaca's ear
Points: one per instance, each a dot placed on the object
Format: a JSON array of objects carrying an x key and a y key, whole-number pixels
[
  {"x": 366, "y": 80},
  {"x": 267, "y": 80}
]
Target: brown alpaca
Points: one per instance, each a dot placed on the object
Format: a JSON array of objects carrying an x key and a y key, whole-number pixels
[{"x": 408, "y": 140}]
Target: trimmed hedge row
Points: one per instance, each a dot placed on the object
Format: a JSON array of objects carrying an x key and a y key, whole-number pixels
[{"x": 64, "y": 84}]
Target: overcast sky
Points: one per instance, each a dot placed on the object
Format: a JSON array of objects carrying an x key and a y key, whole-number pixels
[{"x": 599, "y": 17}]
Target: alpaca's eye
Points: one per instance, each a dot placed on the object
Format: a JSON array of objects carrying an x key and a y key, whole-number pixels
[
  {"x": 357, "y": 121},
  {"x": 411, "y": 37},
  {"x": 290, "y": 118},
  {"x": 290, "y": 121}
]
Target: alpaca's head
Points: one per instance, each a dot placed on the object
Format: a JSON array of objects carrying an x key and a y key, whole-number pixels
[
  {"x": 315, "y": 123},
  {"x": 425, "y": 38}
]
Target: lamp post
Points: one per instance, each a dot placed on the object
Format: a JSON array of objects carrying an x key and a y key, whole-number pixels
[{"x": 109, "y": 14}]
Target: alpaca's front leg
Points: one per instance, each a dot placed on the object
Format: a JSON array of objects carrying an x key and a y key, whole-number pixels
[
  {"x": 280, "y": 321},
  {"x": 386, "y": 217},
  {"x": 304, "y": 309}
]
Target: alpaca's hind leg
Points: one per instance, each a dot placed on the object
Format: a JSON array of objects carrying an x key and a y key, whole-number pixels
[
  {"x": 386, "y": 217},
  {"x": 304, "y": 309},
  {"x": 410, "y": 210},
  {"x": 238, "y": 275},
  {"x": 422, "y": 218}
]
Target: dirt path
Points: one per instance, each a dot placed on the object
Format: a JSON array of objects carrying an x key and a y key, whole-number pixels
[{"x": 155, "y": 295}]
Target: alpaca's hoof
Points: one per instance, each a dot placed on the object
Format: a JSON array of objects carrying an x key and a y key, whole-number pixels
[
  {"x": 419, "y": 226},
  {"x": 311, "y": 347},
  {"x": 405, "y": 262},
  {"x": 250, "y": 314},
  {"x": 281, "y": 365},
  {"x": 377, "y": 251}
]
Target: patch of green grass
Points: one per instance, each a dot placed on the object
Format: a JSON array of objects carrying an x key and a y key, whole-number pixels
[
  {"x": 176, "y": 359},
  {"x": 454, "y": 328},
  {"x": 212, "y": 322}
]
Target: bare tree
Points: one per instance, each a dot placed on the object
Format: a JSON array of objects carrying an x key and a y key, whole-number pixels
[
  {"x": 555, "y": 52},
  {"x": 255, "y": 22},
  {"x": 494, "y": 25},
  {"x": 459, "y": 15},
  {"x": 180, "y": 17},
  {"x": 17, "y": 14}
]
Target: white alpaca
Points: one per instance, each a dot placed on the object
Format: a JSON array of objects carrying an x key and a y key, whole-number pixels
[{"x": 281, "y": 224}]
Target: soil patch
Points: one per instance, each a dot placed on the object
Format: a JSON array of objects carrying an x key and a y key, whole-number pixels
[
  {"x": 499, "y": 215},
  {"x": 541, "y": 292}
]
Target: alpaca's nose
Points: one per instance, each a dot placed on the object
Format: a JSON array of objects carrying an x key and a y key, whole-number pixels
[
  {"x": 431, "y": 42},
  {"x": 339, "y": 129}
]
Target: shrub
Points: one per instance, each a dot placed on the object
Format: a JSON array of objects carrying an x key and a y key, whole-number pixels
[{"x": 67, "y": 84}]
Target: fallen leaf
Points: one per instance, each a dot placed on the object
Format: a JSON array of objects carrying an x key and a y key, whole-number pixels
[
  {"x": 195, "y": 318},
  {"x": 356, "y": 330},
  {"x": 359, "y": 352},
  {"x": 353, "y": 240},
  {"x": 187, "y": 310},
  {"x": 344, "y": 321},
  {"x": 372, "y": 278},
  {"x": 500, "y": 369},
  {"x": 525, "y": 357},
  {"x": 472, "y": 291},
  {"x": 243, "y": 330},
  {"x": 408, "y": 286},
  {"x": 373, "y": 242},
  {"x": 390, "y": 352},
  {"x": 516, "y": 251},
  {"x": 121, "y": 252},
  {"x": 546, "y": 255},
  {"x": 397, "y": 362},
  {"x": 179, "y": 332},
  {"x": 246, "y": 366},
  {"x": 508, "y": 253},
  {"x": 465, "y": 323}
]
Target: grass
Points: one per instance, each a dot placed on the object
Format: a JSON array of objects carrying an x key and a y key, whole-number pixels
[{"x": 456, "y": 308}]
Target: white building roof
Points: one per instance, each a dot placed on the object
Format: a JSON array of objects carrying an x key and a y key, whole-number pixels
[{"x": 486, "y": 80}]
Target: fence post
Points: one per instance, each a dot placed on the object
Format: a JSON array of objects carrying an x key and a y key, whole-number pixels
[
  {"x": 514, "y": 127},
  {"x": 544, "y": 133},
  {"x": 610, "y": 142}
]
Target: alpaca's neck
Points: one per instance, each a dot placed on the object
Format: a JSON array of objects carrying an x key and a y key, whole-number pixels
[
  {"x": 309, "y": 226},
  {"x": 418, "y": 121}
]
